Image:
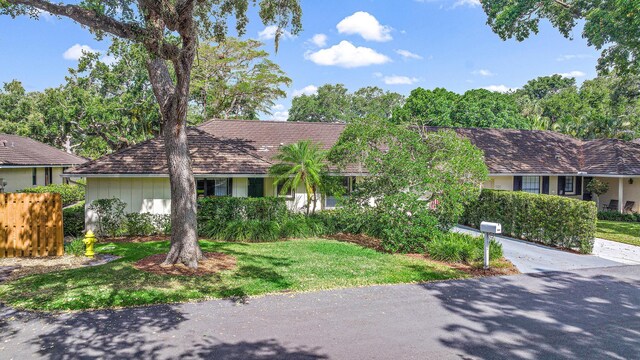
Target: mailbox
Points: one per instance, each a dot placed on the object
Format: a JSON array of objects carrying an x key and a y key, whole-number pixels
[{"x": 491, "y": 228}]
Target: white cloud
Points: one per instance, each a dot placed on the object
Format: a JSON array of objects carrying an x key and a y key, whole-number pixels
[
  {"x": 470, "y": 3},
  {"x": 47, "y": 16},
  {"x": 572, "y": 74},
  {"x": 483, "y": 72},
  {"x": 75, "y": 52},
  {"x": 307, "y": 90},
  {"x": 269, "y": 33},
  {"x": 109, "y": 59},
  {"x": 408, "y": 54},
  {"x": 319, "y": 40},
  {"x": 279, "y": 113},
  {"x": 365, "y": 25},
  {"x": 499, "y": 88},
  {"x": 346, "y": 55},
  {"x": 573, "y": 56},
  {"x": 399, "y": 80}
]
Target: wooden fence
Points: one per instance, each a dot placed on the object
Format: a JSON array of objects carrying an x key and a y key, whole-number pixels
[{"x": 31, "y": 225}]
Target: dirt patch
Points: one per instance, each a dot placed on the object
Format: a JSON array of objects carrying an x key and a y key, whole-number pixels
[
  {"x": 24, "y": 266},
  {"x": 211, "y": 263},
  {"x": 499, "y": 267},
  {"x": 360, "y": 239}
]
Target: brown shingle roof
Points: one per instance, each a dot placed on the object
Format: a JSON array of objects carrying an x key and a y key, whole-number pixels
[
  {"x": 21, "y": 151},
  {"x": 611, "y": 156},
  {"x": 509, "y": 151},
  {"x": 247, "y": 147}
]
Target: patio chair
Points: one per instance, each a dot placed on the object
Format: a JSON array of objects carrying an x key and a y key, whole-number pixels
[
  {"x": 628, "y": 206},
  {"x": 613, "y": 206}
]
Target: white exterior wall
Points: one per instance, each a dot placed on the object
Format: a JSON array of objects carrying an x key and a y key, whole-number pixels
[
  {"x": 499, "y": 183},
  {"x": 153, "y": 195},
  {"x": 142, "y": 195},
  {"x": 21, "y": 178}
]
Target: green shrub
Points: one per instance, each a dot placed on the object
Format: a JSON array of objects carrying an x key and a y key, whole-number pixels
[
  {"x": 216, "y": 213},
  {"x": 162, "y": 223},
  {"x": 70, "y": 194},
  {"x": 110, "y": 213},
  {"x": 301, "y": 226},
  {"x": 74, "y": 247},
  {"x": 136, "y": 224},
  {"x": 548, "y": 219},
  {"x": 455, "y": 247},
  {"x": 73, "y": 219},
  {"x": 617, "y": 216},
  {"x": 250, "y": 231}
]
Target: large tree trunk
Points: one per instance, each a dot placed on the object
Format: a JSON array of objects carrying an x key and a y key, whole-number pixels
[{"x": 184, "y": 237}]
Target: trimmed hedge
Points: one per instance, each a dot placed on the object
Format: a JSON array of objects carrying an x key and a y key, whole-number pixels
[
  {"x": 548, "y": 219},
  {"x": 242, "y": 219},
  {"x": 70, "y": 194},
  {"x": 617, "y": 216},
  {"x": 73, "y": 220}
]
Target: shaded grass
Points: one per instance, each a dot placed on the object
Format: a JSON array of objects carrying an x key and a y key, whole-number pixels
[
  {"x": 299, "y": 265},
  {"x": 624, "y": 232}
]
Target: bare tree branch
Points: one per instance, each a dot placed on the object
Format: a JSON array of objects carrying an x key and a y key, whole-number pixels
[{"x": 86, "y": 17}]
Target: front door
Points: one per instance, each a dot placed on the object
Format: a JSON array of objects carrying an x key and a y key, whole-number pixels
[
  {"x": 586, "y": 195},
  {"x": 256, "y": 187}
]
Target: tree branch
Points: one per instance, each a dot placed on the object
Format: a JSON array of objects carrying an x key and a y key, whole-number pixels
[{"x": 86, "y": 17}]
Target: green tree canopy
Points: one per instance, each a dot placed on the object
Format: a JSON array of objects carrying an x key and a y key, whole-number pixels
[
  {"x": 428, "y": 107},
  {"x": 334, "y": 103},
  {"x": 234, "y": 79},
  {"x": 610, "y": 25}
]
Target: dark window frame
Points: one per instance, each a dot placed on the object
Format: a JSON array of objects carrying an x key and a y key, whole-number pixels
[
  {"x": 569, "y": 184},
  {"x": 526, "y": 184},
  {"x": 34, "y": 176}
]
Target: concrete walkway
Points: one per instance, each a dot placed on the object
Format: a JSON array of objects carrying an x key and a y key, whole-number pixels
[
  {"x": 587, "y": 314},
  {"x": 615, "y": 251},
  {"x": 531, "y": 258}
]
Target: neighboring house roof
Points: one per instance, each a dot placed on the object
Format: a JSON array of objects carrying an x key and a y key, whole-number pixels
[
  {"x": 229, "y": 147},
  {"x": 21, "y": 151}
]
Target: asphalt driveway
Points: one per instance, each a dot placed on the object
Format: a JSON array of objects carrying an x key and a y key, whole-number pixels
[
  {"x": 587, "y": 314},
  {"x": 529, "y": 257}
]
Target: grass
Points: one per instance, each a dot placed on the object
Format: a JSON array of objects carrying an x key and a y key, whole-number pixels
[
  {"x": 300, "y": 265},
  {"x": 624, "y": 232}
]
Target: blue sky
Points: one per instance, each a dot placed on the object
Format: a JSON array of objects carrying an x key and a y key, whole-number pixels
[{"x": 394, "y": 44}]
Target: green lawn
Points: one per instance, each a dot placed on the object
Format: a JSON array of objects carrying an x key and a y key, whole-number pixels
[
  {"x": 624, "y": 232},
  {"x": 299, "y": 265}
]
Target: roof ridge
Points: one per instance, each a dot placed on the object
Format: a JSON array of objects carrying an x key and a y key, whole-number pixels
[{"x": 271, "y": 122}]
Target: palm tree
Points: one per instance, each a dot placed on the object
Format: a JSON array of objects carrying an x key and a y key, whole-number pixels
[{"x": 300, "y": 163}]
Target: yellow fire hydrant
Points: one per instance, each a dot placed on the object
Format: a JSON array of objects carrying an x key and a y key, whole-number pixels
[{"x": 89, "y": 240}]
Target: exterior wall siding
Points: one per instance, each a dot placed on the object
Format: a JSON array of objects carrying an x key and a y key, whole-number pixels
[{"x": 21, "y": 178}]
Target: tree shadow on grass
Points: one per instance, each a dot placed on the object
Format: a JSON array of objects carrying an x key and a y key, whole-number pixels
[{"x": 554, "y": 315}]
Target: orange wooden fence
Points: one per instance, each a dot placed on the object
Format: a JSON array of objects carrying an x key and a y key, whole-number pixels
[{"x": 31, "y": 225}]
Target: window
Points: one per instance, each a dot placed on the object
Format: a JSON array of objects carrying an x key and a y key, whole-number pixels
[
  {"x": 289, "y": 194},
  {"x": 34, "y": 177},
  {"x": 221, "y": 187},
  {"x": 214, "y": 187},
  {"x": 569, "y": 184},
  {"x": 531, "y": 184},
  {"x": 48, "y": 175},
  {"x": 349, "y": 184}
]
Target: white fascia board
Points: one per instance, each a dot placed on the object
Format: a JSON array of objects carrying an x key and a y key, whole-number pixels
[
  {"x": 568, "y": 174},
  {"x": 35, "y": 166}
]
